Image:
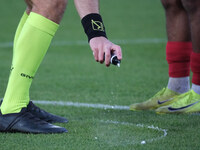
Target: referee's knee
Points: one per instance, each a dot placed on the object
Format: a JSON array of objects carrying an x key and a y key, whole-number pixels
[
  {"x": 59, "y": 5},
  {"x": 52, "y": 9}
]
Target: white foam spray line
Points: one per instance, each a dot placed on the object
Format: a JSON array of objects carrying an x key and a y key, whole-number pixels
[
  {"x": 145, "y": 141},
  {"x": 103, "y": 106},
  {"x": 84, "y": 42},
  {"x": 77, "y": 104}
]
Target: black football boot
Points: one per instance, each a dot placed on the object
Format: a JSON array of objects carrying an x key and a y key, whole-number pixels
[
  {"x": 43, "y": 115},
  {"x": 26, "y": 122}
]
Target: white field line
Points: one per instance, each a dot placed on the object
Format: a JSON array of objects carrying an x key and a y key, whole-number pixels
[
  {"x": 145, "y": 141},
  {"x": 84, "y": 42},
  {"x": 77, "y": 104}
]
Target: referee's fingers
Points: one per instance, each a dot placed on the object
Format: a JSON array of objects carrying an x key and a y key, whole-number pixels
[
  {"x": 107, "y": 56},
  {"x": 101, "y": 54},
  {"x": 118, "y": 51},
  {"x": 96, "y": 53}
]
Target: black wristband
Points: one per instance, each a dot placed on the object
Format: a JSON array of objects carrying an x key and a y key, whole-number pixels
[{"x": 93, "y": 26}]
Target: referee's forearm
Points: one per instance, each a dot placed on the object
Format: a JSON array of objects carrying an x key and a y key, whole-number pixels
[{"x": 85, "y": 7}]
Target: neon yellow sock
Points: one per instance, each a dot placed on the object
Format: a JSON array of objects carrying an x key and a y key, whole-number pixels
[
  {"x": 19, "y": 28},
  {"x": 17, "y": 33},
  {"x": 31, "y": 47}
]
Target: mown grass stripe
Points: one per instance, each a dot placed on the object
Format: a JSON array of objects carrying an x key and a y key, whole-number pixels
[{"x": 84, "y": 42}]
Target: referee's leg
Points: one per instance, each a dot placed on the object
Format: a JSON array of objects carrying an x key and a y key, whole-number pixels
[{"x": 30, "y": 48}]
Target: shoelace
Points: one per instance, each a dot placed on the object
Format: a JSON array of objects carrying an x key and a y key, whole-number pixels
[
  {"x": 192, "y": 97},
  {"x": 36, "y": 120},
  {"x": 186, "y": 98},
  {"x": 34, "y": 108},
  {"x": 159, "y": 93}
]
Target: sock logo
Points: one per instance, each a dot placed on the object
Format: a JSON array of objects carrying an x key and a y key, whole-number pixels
[
  {"x": 11, "y": 69},
  {"x": 26, "y": 76},
  {"x": 97, "y": 25}
]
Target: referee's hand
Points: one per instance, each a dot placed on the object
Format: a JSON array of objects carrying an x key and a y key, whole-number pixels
[{"x": 101, "y": 46}]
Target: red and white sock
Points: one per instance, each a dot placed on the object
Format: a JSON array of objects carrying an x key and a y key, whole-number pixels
[
  {"x": 178, "y": 58},
  {"x": 195, "y": 67}
]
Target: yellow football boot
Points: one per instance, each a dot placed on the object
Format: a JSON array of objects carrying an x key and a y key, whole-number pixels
[
  {"x": 162, "y": 98},
  {"x": 188, "y": 102}
]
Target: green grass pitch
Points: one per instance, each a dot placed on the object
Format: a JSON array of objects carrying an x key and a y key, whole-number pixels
[{"x": 69, "y": 73}]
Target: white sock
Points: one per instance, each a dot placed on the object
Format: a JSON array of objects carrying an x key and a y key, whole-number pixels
[
  {"x": 179, "y": 85},
  {"x": 196, "y": 88}
]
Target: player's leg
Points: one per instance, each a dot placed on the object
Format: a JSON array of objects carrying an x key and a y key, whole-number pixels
[
  {"x": 31, "y": 46},
  {"x": 193, "y": 10},
  {"x": 190, "y": 101},
  {"x": 179, "y": 46},
  {"x": 178, "y": 52}
]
